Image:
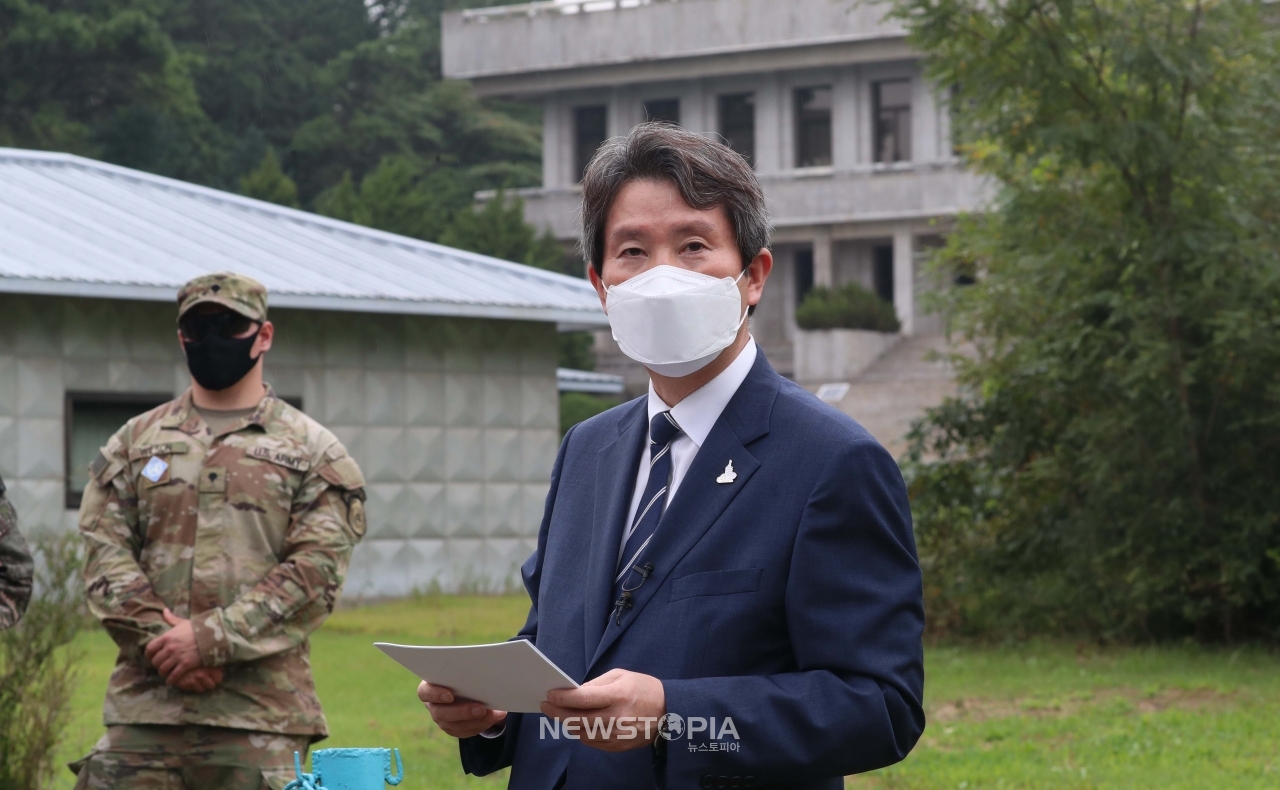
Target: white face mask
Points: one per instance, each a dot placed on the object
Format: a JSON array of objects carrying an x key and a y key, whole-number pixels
[{"x": 675, "y": 321}]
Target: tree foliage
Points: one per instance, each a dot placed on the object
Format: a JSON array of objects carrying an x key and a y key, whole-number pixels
[
  {"x": 499, "y": 229},
  {"x": 269, "y": 183},
  {"x": 73, "y": 75},
  {"x": 1109, "y": 467},
  {"x": 291, "y": 101}
]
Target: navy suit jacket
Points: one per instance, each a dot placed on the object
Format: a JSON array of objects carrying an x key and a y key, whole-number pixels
[{"x": 788, "y": 600}]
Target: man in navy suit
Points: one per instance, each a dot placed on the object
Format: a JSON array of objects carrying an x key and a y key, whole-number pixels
[{"x": 726, "y": 565}]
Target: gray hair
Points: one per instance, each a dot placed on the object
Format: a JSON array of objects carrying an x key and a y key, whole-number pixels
[{"x": 706, "y": 172}]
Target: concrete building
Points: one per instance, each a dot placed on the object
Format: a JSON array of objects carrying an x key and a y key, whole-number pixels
[
  {"x": 852, "y": 144},
  {"x": 436, "y": 367}
]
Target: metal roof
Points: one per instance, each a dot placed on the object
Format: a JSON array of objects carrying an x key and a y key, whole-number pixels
[
  {"x": 571, "y": 380},
  {"x": 71, "y": 226}
]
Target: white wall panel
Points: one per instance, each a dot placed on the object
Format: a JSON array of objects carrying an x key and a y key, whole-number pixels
[
  {"x": 503, "y": 510},
  {"x": 454, "y": 422},
  {"x": 39, "y": 387},
  {"x": 424, "y": 455},
  {"x": 464, "y": 509},
  {"x": 8, "y": 386},
  {"x": 40, "y": 449},
  {"x": 384, "y": 394},
  {"x": 424, "y": 397},
  {"x": 9, "y": 447},
  {"x": 429, "y": 510}
]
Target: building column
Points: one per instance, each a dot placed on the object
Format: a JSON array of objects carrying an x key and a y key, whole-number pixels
[
  {"x": 823, "y": 264},
  {"x": 618, "y": 117},
  {"x": 844, "y": 120},
  {"x": 904, "y": 280},
  {"x": 552, "y": 143},
  {"x": 769, "y": 117},
  {"x": 693, "y": 108}
]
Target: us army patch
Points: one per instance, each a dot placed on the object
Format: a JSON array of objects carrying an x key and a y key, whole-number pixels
[{"x": 296, "y": 463}]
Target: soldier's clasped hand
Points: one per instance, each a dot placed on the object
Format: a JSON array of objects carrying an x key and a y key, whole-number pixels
[
  {"x": 175, "y": 652},
  {"x": 199, "y": 681}
]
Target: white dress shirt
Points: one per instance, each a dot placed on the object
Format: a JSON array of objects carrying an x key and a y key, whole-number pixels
[{"x": 696, "y": 415}]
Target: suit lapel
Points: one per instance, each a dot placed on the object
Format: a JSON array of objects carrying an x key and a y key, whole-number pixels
[
  {"x": 616, "y": 467},
  {"x": 700, "y": 500}
]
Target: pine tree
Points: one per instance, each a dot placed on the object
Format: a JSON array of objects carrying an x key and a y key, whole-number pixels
[
  {"x": 268, "y": 182},
  {"x": 342, "y": 201}
]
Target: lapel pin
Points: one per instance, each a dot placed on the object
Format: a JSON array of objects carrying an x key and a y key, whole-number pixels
[{"x": 729, "y": 475}]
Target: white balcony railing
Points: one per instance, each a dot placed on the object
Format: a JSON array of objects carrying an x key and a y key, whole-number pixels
[
  {"x": 517, "y": 42},
  {"x": 815, "y": 196},
  {"x": 483, "y": 15}
]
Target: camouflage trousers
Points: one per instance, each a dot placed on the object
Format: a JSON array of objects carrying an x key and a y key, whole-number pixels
[{"x": 160, "y": 757}]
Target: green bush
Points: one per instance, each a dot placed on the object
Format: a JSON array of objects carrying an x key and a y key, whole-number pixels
[
  {"x": 847, "y": 307},
  {"x": 576, "y": 351},
  {"x": 38, "y": 668},
  {"x": 1109, "y": 466},
  {"x": 578, "y": 406}
]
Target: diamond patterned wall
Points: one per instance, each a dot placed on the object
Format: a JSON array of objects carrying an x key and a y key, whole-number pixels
[{"x": 455, "y": 422}]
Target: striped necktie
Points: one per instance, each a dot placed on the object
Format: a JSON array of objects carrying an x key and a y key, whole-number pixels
[{"x": 631, "y": 572}]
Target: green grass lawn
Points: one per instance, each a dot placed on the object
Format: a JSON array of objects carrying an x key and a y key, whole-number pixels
[{"x": 1033, "y": 716}]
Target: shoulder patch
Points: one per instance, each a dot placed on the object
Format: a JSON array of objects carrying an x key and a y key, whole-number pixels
[
  {"x": 355, "y": 516},
  {"x": 278, "y": 457},
  {"x": 104, "y": 468}
]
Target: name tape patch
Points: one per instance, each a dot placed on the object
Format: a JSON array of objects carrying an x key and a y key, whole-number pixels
[{"x": 164, "y": 448}]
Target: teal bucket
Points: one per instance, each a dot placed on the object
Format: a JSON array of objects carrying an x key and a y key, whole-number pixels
[{"x": 347, "y": 769}]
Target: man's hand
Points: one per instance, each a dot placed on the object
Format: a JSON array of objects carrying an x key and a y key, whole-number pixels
[
  {"x": 616, "y": 695},
  {"x": 459, "y": 719},
  {"x": 198, "y": 680},
  {"x": 175, "y": 652}
]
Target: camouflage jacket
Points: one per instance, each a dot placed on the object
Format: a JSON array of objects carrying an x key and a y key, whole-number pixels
[
  {"x": 15, "y": 566},
  {"x": 248, "y": 533}
]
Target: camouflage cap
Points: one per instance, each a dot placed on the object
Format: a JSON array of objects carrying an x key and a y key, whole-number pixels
[{"x": 243, "y": 294}]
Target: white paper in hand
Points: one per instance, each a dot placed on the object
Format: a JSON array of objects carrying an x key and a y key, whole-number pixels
[{"x": 510, "y": 676}]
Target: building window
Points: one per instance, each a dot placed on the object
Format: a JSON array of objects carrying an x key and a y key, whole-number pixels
[
  {"x": 882, "y": 271},
  {"x": 590, "y": 129},
  {"x": 892, "y": 114},
  {"x": 664, "y": 110},
  {"x": 953, "y": 116},
  {"x": 813, "y": 126},
  {"x": 738, "y": 123},
  {"x": 91, "y": 419},
  {"x": 804, "y": 274}
]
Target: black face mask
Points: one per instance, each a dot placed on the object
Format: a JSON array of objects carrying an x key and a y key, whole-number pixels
[{"x": 217, "y": 361}]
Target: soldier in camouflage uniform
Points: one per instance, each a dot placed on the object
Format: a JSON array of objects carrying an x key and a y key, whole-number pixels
[
  {"x": 217, "y": 540},
  {"x": 15, "y": 566}
]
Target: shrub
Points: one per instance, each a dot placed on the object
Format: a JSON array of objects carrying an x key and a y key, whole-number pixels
[
  {"x": 578, "y": 406},
  {"x": 37, "y": 668},
  {"x": 847, "y": 307},
  {"x": 1109, "y": 466}
]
